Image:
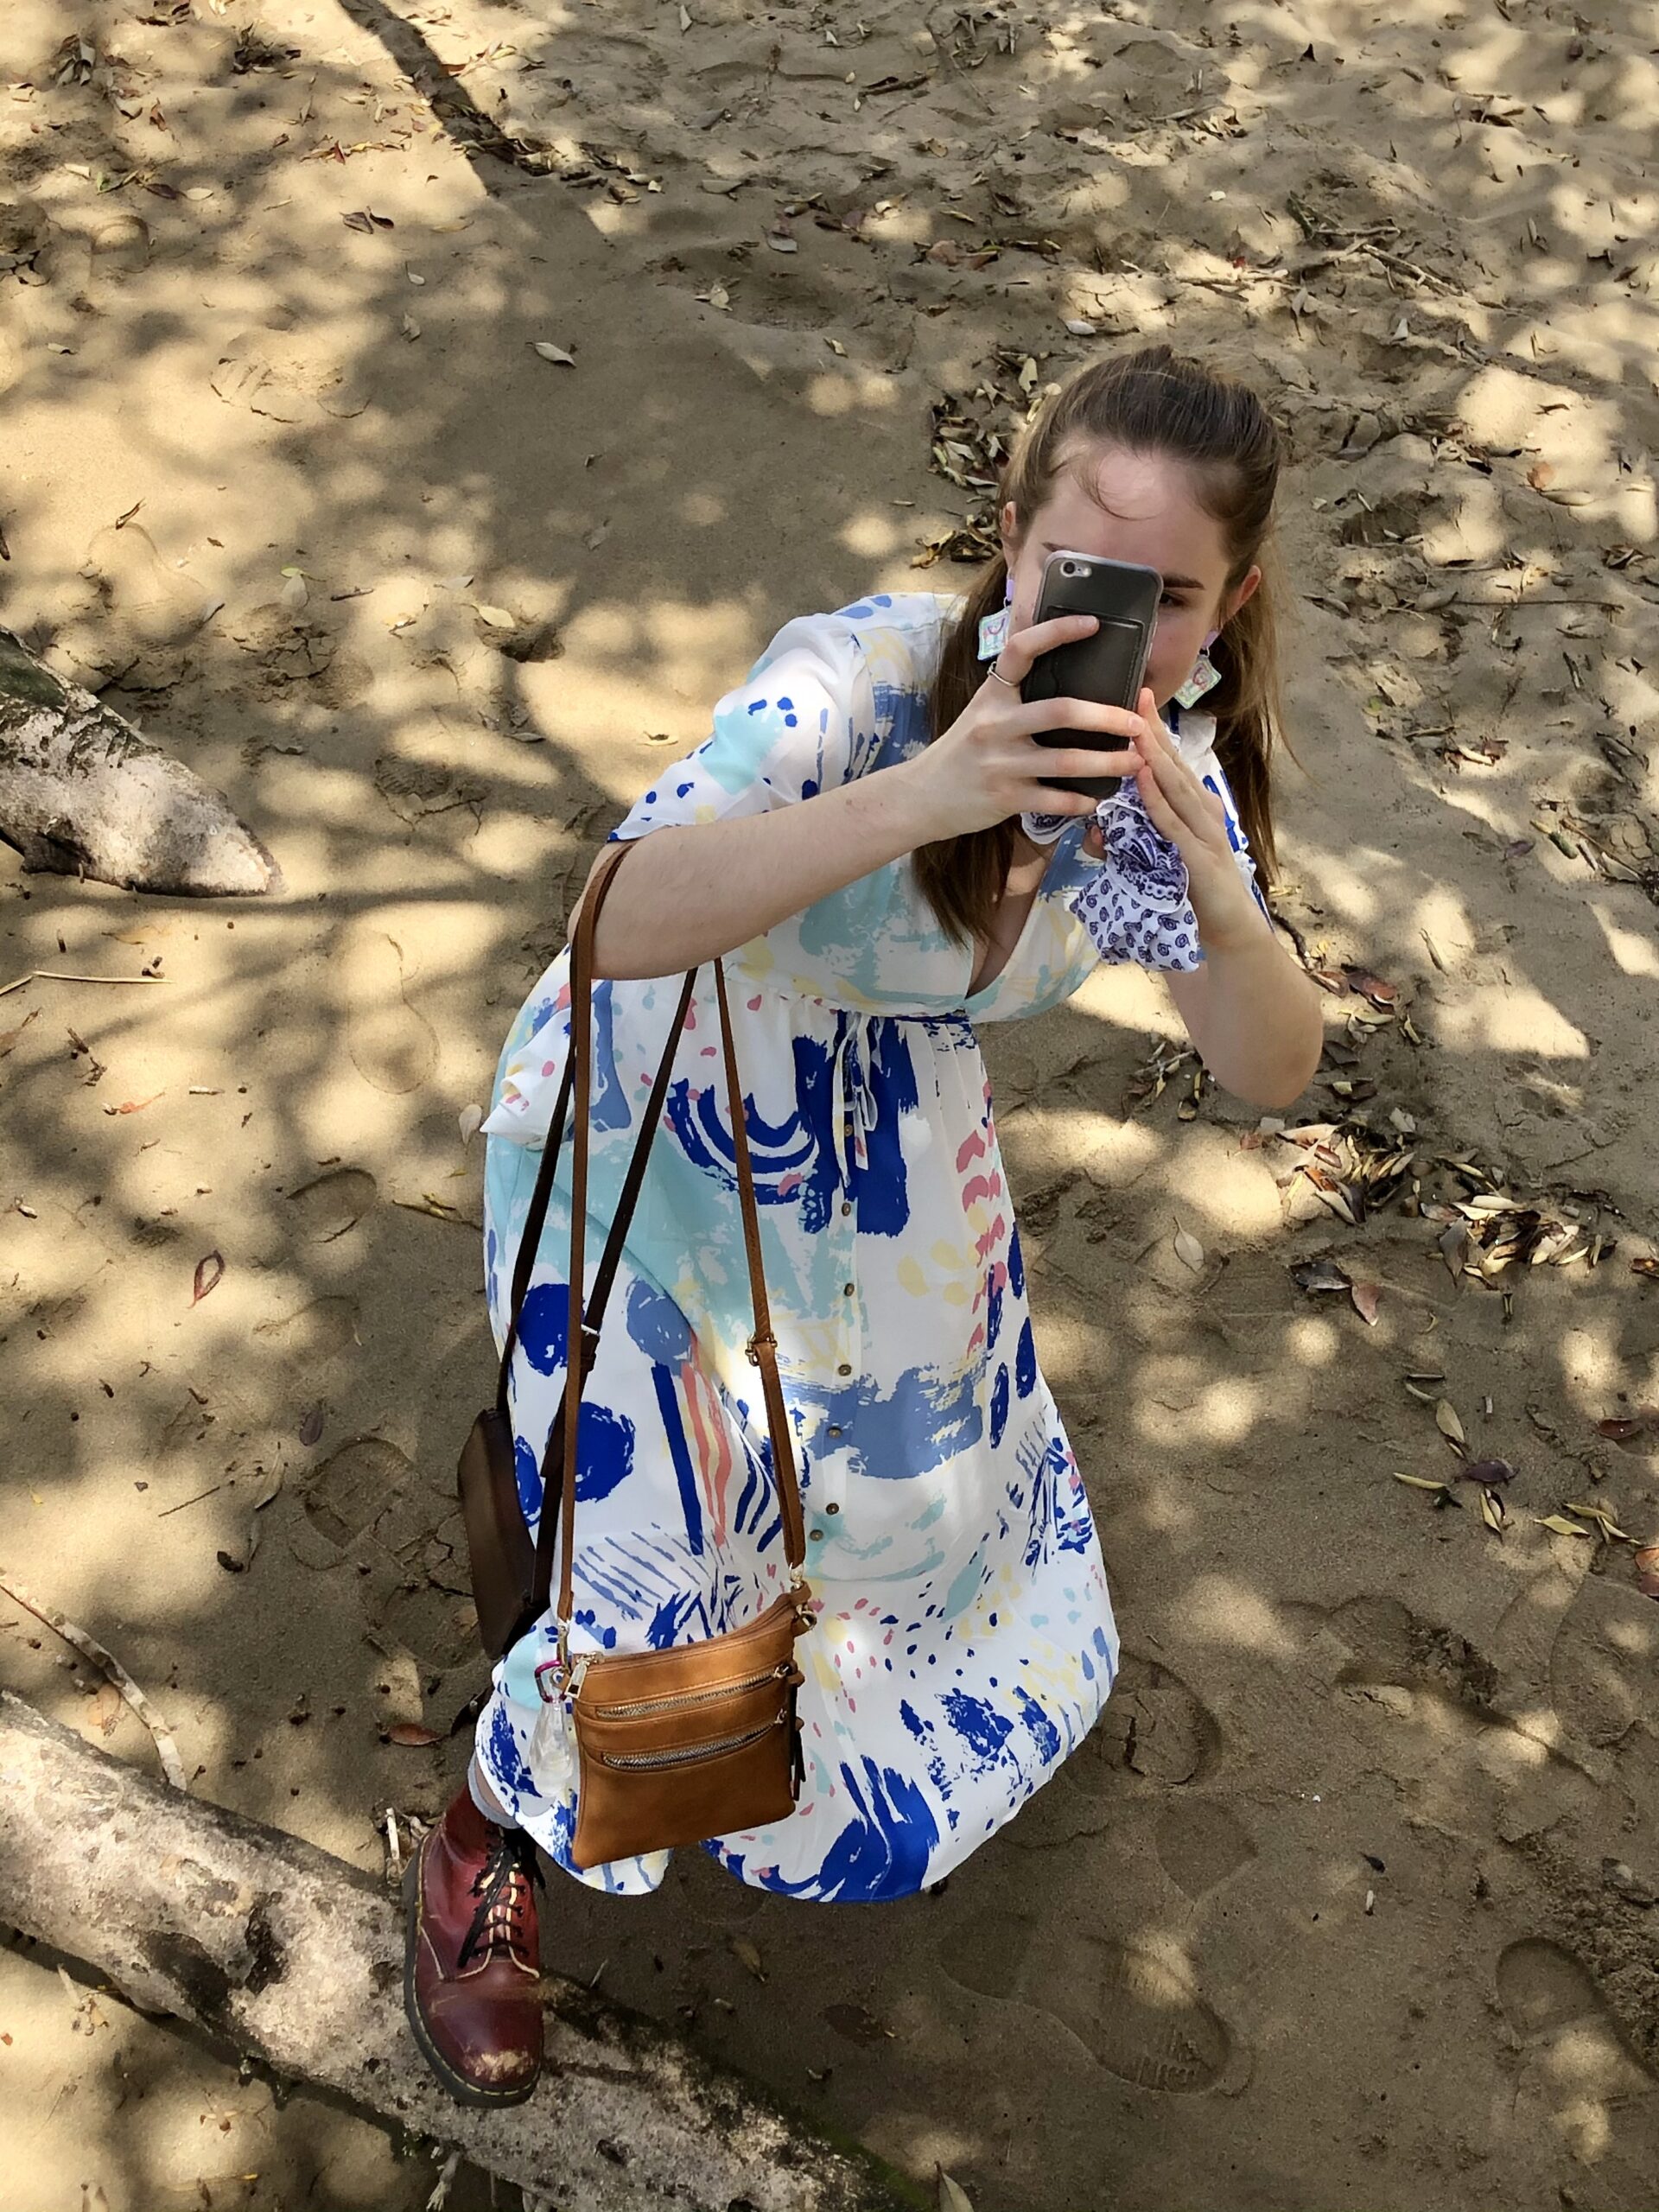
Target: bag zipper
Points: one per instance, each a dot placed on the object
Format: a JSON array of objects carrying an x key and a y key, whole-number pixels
[
  {"x": 782, "y": 1673},
  {"x": 687, "y": 1753}
]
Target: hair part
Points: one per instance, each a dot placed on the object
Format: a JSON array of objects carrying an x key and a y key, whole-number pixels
[{"x": 1155, "y": 401}]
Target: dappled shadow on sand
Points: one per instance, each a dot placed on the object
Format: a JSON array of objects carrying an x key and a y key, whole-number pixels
[{"x": 1366, "y": 1760}]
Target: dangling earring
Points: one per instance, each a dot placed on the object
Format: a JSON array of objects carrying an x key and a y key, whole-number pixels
[
  {"x": 993, "y": 628},
  {"x": 1204, "y": 677}
]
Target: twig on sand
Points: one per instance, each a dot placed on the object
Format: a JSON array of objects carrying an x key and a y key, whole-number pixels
[
  {"x": 55, "y": 975},
  {"x": 111, "y": 1668},
  {"x": 439, "y": 2196}
]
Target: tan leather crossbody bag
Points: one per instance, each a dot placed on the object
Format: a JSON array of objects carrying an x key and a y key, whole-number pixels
[{"x": 701, "y": 1739}]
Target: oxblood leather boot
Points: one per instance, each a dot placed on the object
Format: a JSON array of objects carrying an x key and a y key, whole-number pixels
[{"x": 472, "y": 1973}]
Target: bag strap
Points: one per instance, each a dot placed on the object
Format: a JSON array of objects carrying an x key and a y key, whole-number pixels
[
  {"x": 552, "y": 1463},
  {"x": 763, "y": 1345},
  {"x": 555, "y": 1466},
  {"x": 536, "y": 1218},
  {"x": 582, "y": 1328}
]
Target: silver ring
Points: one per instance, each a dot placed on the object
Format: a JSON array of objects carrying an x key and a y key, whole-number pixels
[{"x": 996, "y": 671}]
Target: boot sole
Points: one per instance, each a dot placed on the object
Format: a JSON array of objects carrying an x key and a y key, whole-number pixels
[{"x": 460, "y": 2088}]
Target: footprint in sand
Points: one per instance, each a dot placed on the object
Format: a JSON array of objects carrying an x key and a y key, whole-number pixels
[
  {"x": 152, "y": 603},
  {"x": 1199, "y": 1845},
  {"x": 1601, "y": 1663},
  {"x": 1393, "y": 1648},
  {"x": 354, "y": 1487},
  {"x": 313, "y": 1332},
  {"x": 1153, "y": 1725},
  {"x": 392, "y": 1046},
  {"x": 330, "y": 1205},
  {"x": 1553, "y": 2005},
  {"x": 1142, "y": 2019},
  {"x": 120, "y": 246}
]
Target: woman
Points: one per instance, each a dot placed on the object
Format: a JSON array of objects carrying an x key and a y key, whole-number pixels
[{"x": 862, "y": 838}]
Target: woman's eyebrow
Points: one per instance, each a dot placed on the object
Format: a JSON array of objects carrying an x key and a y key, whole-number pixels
[{"x": 1170, "y": 583}]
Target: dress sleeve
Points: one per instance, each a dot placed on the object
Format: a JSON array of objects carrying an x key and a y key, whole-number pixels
[{"x": 803, "y": 722}]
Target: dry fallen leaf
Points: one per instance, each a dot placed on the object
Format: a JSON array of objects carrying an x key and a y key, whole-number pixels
[
  {"x": 414, "y": 1735},
  {"x": 268, "y": 1488},
  {"x": 1559, "y": 1525},
  {"x": 1371, "y": 986},
  {"x": 410, "y": 328},
  {"x": 1427, "y": 1482},
  {"x": 1631, "y": 1427},
  {"x": 1188, "y": 1249},
  {"x": 1603, "y": 1518},
  {"x": 1367, "y": 1299},
  {"x": 953, "y": 2197},
  {"x": 1487, "y": 1471},
  {"x": 748, "y": 1954},
  {"x": 209, "y": 1273},
  {"x": 1446, "y": 1420},
  {"x": 471, "y": 1119},
  {"x": 1316, "y": 1276},
  {"x": 311, "y": 1425},
  {"x": 549, "y": 351},
  {"x": 1491, "y": 1510},
  {"x": 1647, "y": 1570}
]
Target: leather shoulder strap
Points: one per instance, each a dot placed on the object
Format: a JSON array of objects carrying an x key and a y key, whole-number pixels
[
  {"x": 554, "y": 1464},
  {"x": 581, "y": 1335},
  {"x": 763, "y": 1345},
  {"x": 536, "y": 1218}
]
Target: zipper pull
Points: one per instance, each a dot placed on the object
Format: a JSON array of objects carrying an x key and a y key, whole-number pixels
[
  {"x": 796, "y": 1761},
  {"x": 578, "y": 1677}
]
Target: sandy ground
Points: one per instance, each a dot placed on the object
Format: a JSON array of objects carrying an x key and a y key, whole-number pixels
[{"x": 1351, "y": 1900}]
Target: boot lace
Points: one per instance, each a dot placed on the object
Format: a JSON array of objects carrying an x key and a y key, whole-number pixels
[{"x": 502, "y": 1888}]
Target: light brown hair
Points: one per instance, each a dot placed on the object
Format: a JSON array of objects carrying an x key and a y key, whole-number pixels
[{"x": 1159, "y": 402}]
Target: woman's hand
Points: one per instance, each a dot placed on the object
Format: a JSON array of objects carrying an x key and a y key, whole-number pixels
[
  {"x": 1192, "y": 818},
  {"x": 988, "y": 765}
]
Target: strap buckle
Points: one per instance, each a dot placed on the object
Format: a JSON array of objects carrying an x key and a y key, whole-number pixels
[{"x": 751, "y": 1350}]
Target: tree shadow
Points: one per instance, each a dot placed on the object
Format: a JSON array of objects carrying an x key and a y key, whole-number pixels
[{"x": 644, "y": 518}]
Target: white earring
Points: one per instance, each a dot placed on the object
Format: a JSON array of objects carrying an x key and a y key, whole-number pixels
[
  {"x": 993, "y": 634},
  {"x": 993, "y": 628},
  {"x": 1204, "y": 677}
]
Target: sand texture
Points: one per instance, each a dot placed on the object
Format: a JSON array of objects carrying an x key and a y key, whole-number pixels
[{"x": 1351, "y": 1899}]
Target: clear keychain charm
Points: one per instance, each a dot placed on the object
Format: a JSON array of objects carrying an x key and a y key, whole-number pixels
[
  {"x": 1204, "y": 677},
  {"x": 993, "y": 633}
]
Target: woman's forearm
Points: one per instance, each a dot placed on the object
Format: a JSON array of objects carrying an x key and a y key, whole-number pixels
[
  {"x": 695, "y": 894},
  {"x": 1254, "y": 1017}
]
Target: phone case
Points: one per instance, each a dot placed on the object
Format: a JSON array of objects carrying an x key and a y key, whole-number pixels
[{"x": 1109, "y": 667}]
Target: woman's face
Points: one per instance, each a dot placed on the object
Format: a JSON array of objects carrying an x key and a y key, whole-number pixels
[{"x": 1138, "y": 507}]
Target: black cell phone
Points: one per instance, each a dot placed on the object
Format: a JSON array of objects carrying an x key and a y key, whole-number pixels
[{"x": 1109, "y": 667}]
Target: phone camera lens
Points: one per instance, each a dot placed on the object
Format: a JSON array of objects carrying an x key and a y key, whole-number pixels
[{"x": 1073, "y": 569}]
